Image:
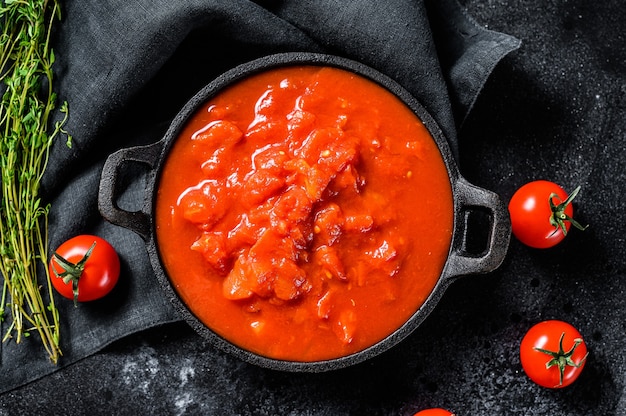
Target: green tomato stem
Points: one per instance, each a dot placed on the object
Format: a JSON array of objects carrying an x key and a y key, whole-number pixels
[
  {"x": 562, "y": 359},
  {"x": 559, "y": 217},
  {"x": 72, "y": 271}
]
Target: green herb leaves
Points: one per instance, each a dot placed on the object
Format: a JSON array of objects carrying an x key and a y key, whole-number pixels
[{"x": 26, "y": 134}]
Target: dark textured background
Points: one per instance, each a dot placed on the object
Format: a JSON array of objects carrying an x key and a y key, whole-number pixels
[{"x": 555, "y": 109}]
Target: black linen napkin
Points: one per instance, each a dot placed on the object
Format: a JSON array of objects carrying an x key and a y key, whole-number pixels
[{"x": 127, "y": 67}]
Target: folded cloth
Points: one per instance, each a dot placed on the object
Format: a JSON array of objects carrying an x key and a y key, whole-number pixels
[{"x": 127, "y": 67}]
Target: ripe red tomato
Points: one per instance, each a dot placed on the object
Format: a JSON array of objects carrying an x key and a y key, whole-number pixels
[
  {"x": 434, "y": 412},
  {"x": 553, "y": 354},
  {"x": 541, "y": 214},
  {"x": 84, "y": 268}
]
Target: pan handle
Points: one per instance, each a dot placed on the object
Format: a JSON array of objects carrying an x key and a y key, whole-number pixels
[
  {"x": 472, "y": 198},
  {"x": 137, "y": 221}
]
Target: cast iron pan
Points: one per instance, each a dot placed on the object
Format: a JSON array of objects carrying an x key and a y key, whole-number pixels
[{"x": 468, "y": 200}]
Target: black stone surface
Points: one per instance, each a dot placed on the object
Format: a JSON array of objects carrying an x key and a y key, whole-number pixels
[{"x": 555, "y": 109}]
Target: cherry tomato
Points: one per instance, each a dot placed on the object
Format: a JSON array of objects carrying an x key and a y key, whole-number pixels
[
  {"x": 541, "y": 214},
  {"x": 553, "y": 354},
  {"x": 434, "y": 412},
  {"x": 84, "y": 268}
]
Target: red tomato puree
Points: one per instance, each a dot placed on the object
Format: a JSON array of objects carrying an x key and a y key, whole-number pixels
[{"x": 304, "y": 213}]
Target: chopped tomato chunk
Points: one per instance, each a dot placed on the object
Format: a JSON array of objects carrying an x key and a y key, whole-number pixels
[
  {"x": 330, "y": 263},
  {"x": 217, "y": 133},
  {"x": 324, "y": 306},
  {"x": 212, "y": 246},
  {"x": 346, "y": 326},
  {"x": 259, "y": 186},
  {"x": 203, "y": 204},
  {"x": 329, "y": 222}
]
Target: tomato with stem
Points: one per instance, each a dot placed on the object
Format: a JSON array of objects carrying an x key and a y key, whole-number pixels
[
  {"x": 553, "y": 353},
  {"x": 84, "y": 268},
  {"x": 541, "y": 213}
]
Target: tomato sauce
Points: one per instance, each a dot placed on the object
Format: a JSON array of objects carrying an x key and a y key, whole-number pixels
[{"x": 304, "y": 213}]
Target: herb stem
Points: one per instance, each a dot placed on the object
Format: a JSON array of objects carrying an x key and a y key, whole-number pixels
[{"x": 26, "y": 136}]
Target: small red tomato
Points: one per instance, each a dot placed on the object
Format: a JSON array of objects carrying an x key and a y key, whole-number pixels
[
  {"x": 541, "y": 213},
  {"x": 553, "y": 354},
  {"x": 84, "y": 268},
  {"x": 434, "y": 412}
]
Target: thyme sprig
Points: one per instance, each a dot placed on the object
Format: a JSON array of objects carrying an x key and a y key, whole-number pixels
[{"x": 26, "y": 135}]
